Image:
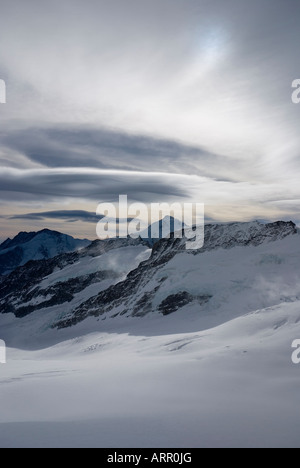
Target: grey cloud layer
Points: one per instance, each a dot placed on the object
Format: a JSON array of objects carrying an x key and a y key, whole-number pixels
[
  {"x": 65, "y": 215},
  {"x": 50, "y": 185},
  {"x": 76, "y": 146}
]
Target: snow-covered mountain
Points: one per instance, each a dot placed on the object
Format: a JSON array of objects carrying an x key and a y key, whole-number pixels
[
  {"x": 174, "y": 278},
  {"x": 67, "y": 280},
  {"x": 177, "y": 345},
  {"x": 28, "y": 246},
  {"x": 124, "y": 277}
]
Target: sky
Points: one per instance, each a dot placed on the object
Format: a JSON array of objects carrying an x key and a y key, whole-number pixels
[{"x": 161, "y": 100}]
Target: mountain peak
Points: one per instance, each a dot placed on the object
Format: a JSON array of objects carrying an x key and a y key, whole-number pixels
[
  {"x": 43, "y": 244},
  {"x": 161, "y": 229}
]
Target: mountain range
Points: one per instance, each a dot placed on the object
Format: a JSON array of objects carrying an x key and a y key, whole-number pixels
[
  {"x": 130, "y": 278},
  {"x": 46, "y": 244}
]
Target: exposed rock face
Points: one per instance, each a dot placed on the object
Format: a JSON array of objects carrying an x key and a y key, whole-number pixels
[
  {"x": 134, "y": 296},
  {"x": 177, "y": 301},
  {"x": 227, "y": 236},
  {"x": 22, "y": 292}
]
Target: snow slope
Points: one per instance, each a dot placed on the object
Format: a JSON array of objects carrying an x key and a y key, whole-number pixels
[{"x": 229, "y": 386}]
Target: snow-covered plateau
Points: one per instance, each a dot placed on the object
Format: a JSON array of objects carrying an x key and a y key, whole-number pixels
[{"x": 121, "y": 345}]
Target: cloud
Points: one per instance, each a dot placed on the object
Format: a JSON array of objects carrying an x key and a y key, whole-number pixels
[
  {"x": 87, "y": 184},
  {"x": 66, "y": 215},
  {"x": 156, "y": 100},
  {"x": 100, "y": 148},
  {"x": 215, "y": 75}
]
